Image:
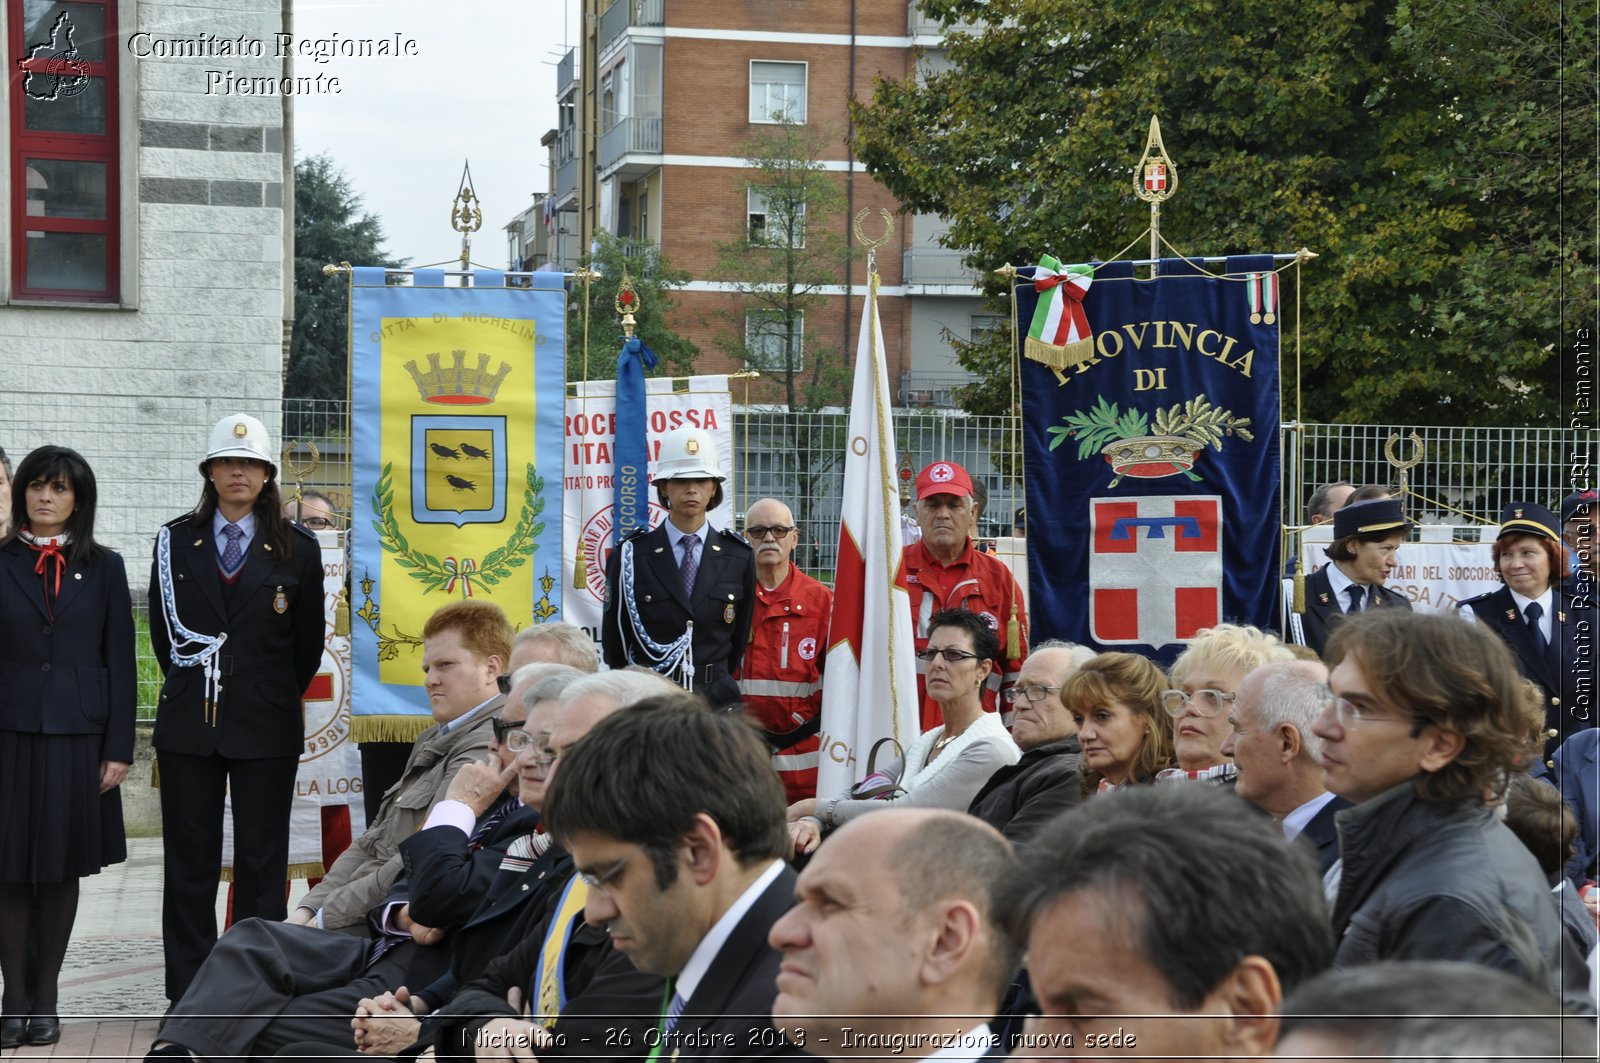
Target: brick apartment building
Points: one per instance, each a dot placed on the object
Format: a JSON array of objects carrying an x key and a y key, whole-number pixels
[{"x": 657, "y": 103}]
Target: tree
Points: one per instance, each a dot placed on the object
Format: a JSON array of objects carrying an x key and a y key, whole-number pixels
[
  {"x": 329, "y": 226},
  {"x": 653, "y": 278},
  {"x": 1418, "y": 159},
  {"x": 792, "y": 247}
]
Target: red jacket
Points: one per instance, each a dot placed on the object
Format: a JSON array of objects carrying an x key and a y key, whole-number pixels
[
  {"x": 978, "y": 582},
  {"x": 781, "y": 676}
]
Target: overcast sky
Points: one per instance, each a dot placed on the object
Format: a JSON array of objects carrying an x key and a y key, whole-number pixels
[{"x": 481, "y": 88}]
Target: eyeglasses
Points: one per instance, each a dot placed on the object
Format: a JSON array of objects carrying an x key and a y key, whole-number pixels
[
  {"x": 318, "y": 523},
  {"x": 777, "y": 531},
  {"x": 517, "y": 741},
  {"x": 1205, "y": 701},
  {"x": 503, "y": 728},
  {"x": 1350, "y": 715},
  {"x": 601, "y": 883},
  {"x": 1032, "y": 693},
  {"x": 949, "y": 653}
]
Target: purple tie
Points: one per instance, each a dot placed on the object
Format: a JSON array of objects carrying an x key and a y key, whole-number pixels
[
  {"x": 691, "y": 564},
  {"x": 233, "y": 553}
]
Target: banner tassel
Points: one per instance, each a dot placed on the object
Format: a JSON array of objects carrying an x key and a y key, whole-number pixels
[
  {"x": 1299, "y": 589},
  {"x": 1013, "y": 648},
  {"x": 580, "y": 567},
  {"x": 341, "y": 614}
]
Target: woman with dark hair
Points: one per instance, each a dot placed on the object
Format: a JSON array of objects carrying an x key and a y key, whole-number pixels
[
  {"x": 237, "y": 625},
  {"x": 946, "y": 765},
  {"x": 1546, "y": 626},
  {"x": 1123, "y": 730},
  {"x": 1367, "y": 535},
  {"x": 67, "y": 697}
]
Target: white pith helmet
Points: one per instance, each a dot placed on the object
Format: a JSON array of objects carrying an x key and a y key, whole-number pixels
[
  {"x": 689, "y": 453},
  {"x": 239, "y": 435}
]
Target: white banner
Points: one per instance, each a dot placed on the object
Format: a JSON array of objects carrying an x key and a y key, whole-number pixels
[
  {"x": 587, "y": 509},
  {"x": 1434, "y": 577},
  {"x": 330, "y": 767}
]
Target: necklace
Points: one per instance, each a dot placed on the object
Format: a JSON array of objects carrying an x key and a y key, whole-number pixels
[{"x": 945, "y": 739}]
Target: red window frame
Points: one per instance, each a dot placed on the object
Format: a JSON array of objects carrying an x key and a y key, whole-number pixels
[{"x": 66, "y": 147}]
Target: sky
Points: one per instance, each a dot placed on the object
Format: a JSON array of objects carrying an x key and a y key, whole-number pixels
[{"x": 480, "y": 89}]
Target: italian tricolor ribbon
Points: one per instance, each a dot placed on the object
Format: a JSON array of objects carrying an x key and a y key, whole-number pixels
[{"x": 1059, "y": 334}]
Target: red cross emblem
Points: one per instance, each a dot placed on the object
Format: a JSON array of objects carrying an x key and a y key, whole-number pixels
[{"x": 1155, "y": 176}]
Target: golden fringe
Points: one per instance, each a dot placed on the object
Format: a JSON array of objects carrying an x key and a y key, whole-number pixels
[
  {"x": 155, "y": 774},
  {"x": 388, "y": 728},
  {"x": 314, "y": 869},
  {"x": 1299, "y": 603},
  {"x": 1058, "y": 358}
]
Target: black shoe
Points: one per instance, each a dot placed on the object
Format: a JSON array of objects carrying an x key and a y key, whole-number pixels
[
  {"x": 44, "y": 1030},
  {"x": 13, "y": 1032}
]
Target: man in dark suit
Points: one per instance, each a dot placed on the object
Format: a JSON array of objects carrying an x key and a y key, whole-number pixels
[
  {"x": 680, "y": 597},
  {"x": 897, "y": 938},
  {"x": 675, "y": 821},
  {"x": 1577, "y": 772},
  {"x": 1366, "y": 537},
  {"x": 1277, "y": 756}
]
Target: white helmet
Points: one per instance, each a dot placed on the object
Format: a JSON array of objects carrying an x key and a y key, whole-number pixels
[
  {"x": 689, "y": 453},
  {"x": 240, "y": 436}
]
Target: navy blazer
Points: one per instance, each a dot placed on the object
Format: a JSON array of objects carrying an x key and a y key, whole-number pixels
[
  {"x": 1323, "y": 615},
  {"x": 1578, "y": 775},
  {"x": 276, "y": 624},
  {"x": 722, "y": 606},
  {"x": 1568, "y": 689},
  {"x": 73, "y": 674},
  {"x": 1321, "y": 833}
]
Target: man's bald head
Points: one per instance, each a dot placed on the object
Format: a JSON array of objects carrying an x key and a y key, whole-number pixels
[{"x": 762, "y": 523}]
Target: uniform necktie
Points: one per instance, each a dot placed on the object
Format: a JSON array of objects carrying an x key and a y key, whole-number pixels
[
  {"x": 674, "y": 1011},
  {"x": 1534, "y": 612},
  {"x": 1357, "y": 593},
  {"x": 691, "y": 563},
  {"x": 233, "y": 553}
]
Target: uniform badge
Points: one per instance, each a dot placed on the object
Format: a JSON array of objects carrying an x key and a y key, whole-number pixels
[
  {"x": 808, "y": 649},
  {"x": 1322, "y": 599},
  {"x": 727, "y": 613},
  {"x": 280, "y": 601},
  {"x": 240, "y": 430},
  {"x": 1511, "y": 614},
  {"x": 692, "y": 446},
  {"x": 941, "y": 473},
  {"x": 1561, "y": 618},
  {"x": 1517, "y": 513}
]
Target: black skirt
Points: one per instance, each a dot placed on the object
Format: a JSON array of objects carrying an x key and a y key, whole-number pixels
[{"x": 55, "y": 824}]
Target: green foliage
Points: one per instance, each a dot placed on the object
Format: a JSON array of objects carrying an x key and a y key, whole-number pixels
[
  {"x": 780, "y": 266},
  {"x": 1101, "y": 425},
  {"x": 329, "y": 227},
  {"x": 653, "y": 278},
  {"x": 1417, "y": 145}
]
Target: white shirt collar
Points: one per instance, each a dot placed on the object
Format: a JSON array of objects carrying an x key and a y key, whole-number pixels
[
  {"x": 675, "y": 535},
  {"x": 1296, "y": 821},
  {"x": 700, "y": 959},
  {"x": 1339, "y": 582},
  {"x": 246, "y": 523},
  {"x": 462, "y": 720},
  {"x": 1545, "y": 600}
]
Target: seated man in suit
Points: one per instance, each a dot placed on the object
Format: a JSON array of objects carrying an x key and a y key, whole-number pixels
[
  {"x": 895, "y": 944},
  {"x": 1279, "y": 760},
  {"x": 284, "y": 983},
  {"x": 675, "y": 822}
]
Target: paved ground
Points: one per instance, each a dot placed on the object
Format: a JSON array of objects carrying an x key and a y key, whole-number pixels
[{"x": 111, "y": 986}]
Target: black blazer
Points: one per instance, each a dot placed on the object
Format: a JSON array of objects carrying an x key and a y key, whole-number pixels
[
  {"x": 1322, "y": 834},
  {"x": 1323, "y": 614},
  {"x": 274, "y": 645},
  {"x": 722, "y": 607},
  {"x": 1556, "y": 671},
  {"x": 74, "y": 674}
]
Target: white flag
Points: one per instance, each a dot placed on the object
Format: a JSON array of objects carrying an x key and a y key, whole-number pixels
[{"x": 870, "y": 687}]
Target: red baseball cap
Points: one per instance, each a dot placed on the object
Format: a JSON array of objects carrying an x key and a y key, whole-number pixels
[{"x": 944, "y": 478}]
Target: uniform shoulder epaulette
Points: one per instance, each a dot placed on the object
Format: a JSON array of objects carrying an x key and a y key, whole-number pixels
[
  {"x": 636, "y": 533},
  {"x": 175, "y": 521},
  {"x": 303, "y": 530},
  {"x": 1485, "y": 596},
  {"x": 735, "y": 538}
]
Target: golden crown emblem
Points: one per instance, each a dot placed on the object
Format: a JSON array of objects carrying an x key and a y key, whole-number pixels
[{"x": 457, "y": 385}]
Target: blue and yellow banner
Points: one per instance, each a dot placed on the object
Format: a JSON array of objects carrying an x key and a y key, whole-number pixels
[
  {"x": 1150, "y": 450},
  {"x": 457, "y": 409}
]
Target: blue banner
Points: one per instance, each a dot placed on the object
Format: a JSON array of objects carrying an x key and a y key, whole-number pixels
[
  {"x": 457, "y": 465},
  {"x": 1150, "y": 422},
  {"x": 629, "y": 494}
]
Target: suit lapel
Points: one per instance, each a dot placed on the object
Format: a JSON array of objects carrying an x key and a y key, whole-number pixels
[
  {"x": 257, "y": 567},
  {"x": 659, "y": 553},
  {"x": 1520, "y": 639},
  {"x": 193, "y": 550},
  {"x": 710, "y": 565},
  {"x": 1319, "y": 601},
  {"x": 744, "y": 946},
  {"x": 19, "y": 560},
  {"x": 72, "y": 581}
]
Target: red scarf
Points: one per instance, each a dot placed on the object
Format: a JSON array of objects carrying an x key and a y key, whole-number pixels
[{"x": 48, "y": 549}]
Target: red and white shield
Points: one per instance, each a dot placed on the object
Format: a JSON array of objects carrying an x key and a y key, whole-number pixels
[
  {"x": 1155, "y": 176},
  {"x": 1155, "y": 568}
]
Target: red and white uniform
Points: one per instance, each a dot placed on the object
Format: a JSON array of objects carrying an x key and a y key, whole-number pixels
[
  {"x": 780, "y": 680},
  {"x": 977, "y": 582}
]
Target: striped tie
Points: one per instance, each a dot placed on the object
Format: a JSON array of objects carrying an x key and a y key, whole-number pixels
[{"x": 674, "y": 1010}]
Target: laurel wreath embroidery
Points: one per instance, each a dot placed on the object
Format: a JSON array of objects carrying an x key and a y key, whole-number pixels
[
  {"x": 1166, "y": 448},
  {"x": 436, "y": 574}
]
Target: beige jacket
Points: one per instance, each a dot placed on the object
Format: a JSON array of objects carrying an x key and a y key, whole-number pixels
[{"x": 362, "y": 876}]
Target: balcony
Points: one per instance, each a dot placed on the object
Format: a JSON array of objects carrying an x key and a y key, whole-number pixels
[
  {"x": 616, "y": 19},
  {"x": 920, "y": 25},
  {"x": 938, "y": 267},
  {"x": 566, "y": 183},
  {"x": 623, "y": 143},
  {"x": 931, "y": 390},
  {"x": 564, "y": 70}
]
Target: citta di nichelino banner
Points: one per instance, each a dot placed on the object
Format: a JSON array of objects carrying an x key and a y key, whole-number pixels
[{"x": 1150, "y": 425}]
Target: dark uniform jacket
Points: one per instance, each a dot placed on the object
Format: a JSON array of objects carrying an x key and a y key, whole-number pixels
[
  {"x": 1556, "y": 671},
  {"x": 721, "y": 607},
  {"x": 1425, "y": 880},
  {"x": 1020, "y": 798},
  {"x": 275, "y": 621},
  {"x": 73, "y": 674},
  {"x": 1323, "y": 615}
]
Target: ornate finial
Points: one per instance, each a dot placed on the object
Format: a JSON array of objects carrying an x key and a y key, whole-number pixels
[
  {"x": 298, "y": 472},
  {"x": 1155, "y": 178},
  {"x": 627, "y": 303},
  {"x": 466, "y": 214},
  {"x": 873, "y": 245},
  {"x": 332, "y": 270}
]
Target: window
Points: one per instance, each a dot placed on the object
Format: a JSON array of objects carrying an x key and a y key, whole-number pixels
[
  {"x": 777, "y": 92},
  {"x": 985, "y": 325},
  {"x": 781, "y": 227},
  {"x": 767, "y": 332},
  {"x": 63, "y": 150}
]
